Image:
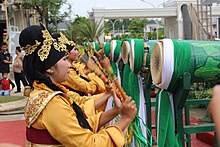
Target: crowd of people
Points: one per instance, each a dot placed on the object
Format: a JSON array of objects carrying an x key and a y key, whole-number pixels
[{"x": 6, "y": 84}]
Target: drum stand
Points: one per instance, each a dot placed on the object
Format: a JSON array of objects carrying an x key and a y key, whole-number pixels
[{"x": 180, "y": 95}]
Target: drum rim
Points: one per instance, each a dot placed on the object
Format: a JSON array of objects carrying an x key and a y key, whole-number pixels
[
  {"x": 156, "y": 67},
  {"x": 124, "y": 51}
]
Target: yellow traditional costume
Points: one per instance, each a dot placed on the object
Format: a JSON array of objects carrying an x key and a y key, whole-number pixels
[
  {"x": 51, "y": 110},
  {"x": 51, "y": 118},
  {"x": 79, "y": 82}
]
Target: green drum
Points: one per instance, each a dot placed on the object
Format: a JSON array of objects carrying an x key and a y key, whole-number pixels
[
  {"x": 200, "y": 58},
  {"x": 205, "y": 60}
]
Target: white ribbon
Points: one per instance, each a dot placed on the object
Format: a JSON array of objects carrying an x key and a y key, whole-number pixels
[
  {"x": 167, "y": 73},
  {"x": 114, "y": 44},
  {"x": 142, "y": 107}
]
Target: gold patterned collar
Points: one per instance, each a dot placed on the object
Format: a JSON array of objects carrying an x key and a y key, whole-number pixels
[{"x": 37, "y": 101}]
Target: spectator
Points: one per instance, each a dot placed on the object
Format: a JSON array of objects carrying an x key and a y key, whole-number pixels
[
  {"x": 5, "y": 85},
  {"x": 5, "y": 58},
  {"x": 18, "y": 70}
]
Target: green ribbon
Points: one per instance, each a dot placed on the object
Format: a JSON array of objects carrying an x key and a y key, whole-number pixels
[
  {"x": 182, "y": 54},
  {"x": 125, "y": 78},
  {"x": 107, "y": 49},
  {"x": 117, "y": 52},
  {"x": 140, "y": 140},
  {"x": 134, "y": 91},
  {"x": 167, "y": 136},
  {"x": 96, "y": 46},
  {"x": 126, "y": 72},
  {"x": 138, "y": 61}
]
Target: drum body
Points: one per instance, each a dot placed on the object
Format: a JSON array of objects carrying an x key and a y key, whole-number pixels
[{"x": 204, "y": 60}]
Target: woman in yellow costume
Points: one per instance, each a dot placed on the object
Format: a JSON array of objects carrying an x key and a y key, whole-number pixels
[
  {"x": 79, "y": 80},
  {"x": 51, "y": 119}
]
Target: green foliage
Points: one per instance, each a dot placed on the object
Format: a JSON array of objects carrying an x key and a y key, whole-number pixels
[
  {"x": 82, "y": 29},
  {"x": 201, "y": 94},
  {"x": 73, "y": 31},
  {"x": 154, "y": 34},
  {"x": 47, "y": 9},
  {"x": 90, "y": 29},
  {"x": 136, "y": 27},
  {"x": 108, "y": 27}
]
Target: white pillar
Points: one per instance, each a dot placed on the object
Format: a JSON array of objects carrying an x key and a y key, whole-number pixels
[
  {"x": 179, "y": 23},
  {"x": 99, "y": 17}
]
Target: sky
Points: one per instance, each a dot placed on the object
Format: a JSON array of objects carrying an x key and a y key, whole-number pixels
[{"x": 81, "y": 7}]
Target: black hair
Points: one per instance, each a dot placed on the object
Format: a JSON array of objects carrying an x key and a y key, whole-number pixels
[
  {"x": 4, "y": 43},
  {"x": 4, "y": 73},
  {"x": 18, "y": 48}
]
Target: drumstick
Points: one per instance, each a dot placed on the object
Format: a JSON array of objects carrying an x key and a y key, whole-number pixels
[
  {"x": 106, "y": 64},
  {"x": 93, "y": 67}
]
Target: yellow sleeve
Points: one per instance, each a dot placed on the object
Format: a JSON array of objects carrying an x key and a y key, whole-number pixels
[
  {"x": 80, "y": 100},
  {"x": 99, "y": 82},
  {"x": 75, "y": 97},
  {"x": 79, "y": 66},
  {"x": 60, "y": 120},
  {"x": 75, "y": 82}
]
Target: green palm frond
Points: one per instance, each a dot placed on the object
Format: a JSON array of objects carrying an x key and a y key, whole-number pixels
[{"x": 91, "y": 29}]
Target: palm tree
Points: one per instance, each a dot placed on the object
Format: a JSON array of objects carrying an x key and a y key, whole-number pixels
[
  {"x": 82, "y": 28},
  {"x": 91, "y": 29},
  {"x": 73, "y": 31}
]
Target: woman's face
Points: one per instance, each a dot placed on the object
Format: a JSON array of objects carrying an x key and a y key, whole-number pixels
[
  {"x": 60, "y": 70},
  {"x": 74, "y": 54}
]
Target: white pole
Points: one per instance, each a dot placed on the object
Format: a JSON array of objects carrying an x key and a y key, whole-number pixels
[
  {"x": 114, "y": 29},
  {"x": 218, "y": 27},
  {"x": 157, "y": 30}
]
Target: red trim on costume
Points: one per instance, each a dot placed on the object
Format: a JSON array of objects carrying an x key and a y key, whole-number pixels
[{"x": 40, "y": 136}]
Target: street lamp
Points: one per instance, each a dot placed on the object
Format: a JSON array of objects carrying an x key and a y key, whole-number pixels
[
  {"x": 148, "y": 3},
  {"x": 154, "y": 5},
  {"x": 113, "y": 25}
]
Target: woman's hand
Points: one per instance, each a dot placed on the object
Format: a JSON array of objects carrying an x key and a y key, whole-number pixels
[
  {"x": 128, "y": 109},
  {"x": 117, "y": 101},
  {"x": 128, "y": 113},
  {"x": 86, "y": 70}
]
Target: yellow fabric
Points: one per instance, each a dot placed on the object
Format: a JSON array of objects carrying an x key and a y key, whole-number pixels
[
  {"x": 79, "y": 66},
  {"x": 80, "y": 100},
  {"x": 59, "y": 118},
  {"x": 75, "y": 82},
  {"x": 30, "y": 144}
]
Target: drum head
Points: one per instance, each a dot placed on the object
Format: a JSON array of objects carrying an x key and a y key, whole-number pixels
[
  {"x": 132, "y": 55},
  {"x": 113, "y": 44},
  {"x": 156, "y": 62},
  {"x": 124, "y": 51}
]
